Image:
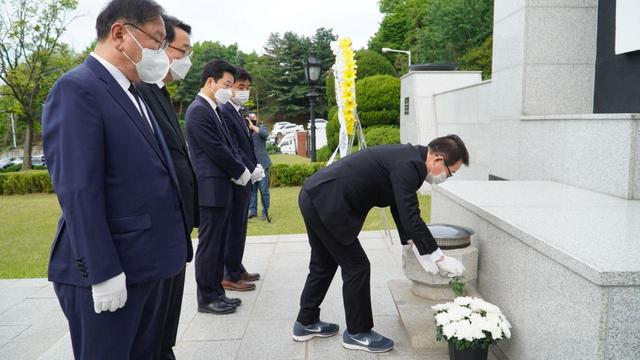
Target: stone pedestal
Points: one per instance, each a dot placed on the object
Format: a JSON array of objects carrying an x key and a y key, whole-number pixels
[{"x": 433, "y": 286}]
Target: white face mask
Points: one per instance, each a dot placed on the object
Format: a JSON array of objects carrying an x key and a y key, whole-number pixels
[
  {"x": 223, "y": 95},
  {"x": 241, "y": 97},
  {"x": 438, "y": 179},
  {"x": 154, "y": 64},
  {"x": 180, "y": 68}
]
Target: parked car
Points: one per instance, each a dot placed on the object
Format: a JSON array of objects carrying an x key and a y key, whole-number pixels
[
  {"x": 13, "y": 161},
  {"x": 279, "y": 133},
  {"x": 288, "y": 144},
  {"x": 38, "y": 160},
  {"x": 280, "y": 124},
  {"x": 6, "y": 162}
]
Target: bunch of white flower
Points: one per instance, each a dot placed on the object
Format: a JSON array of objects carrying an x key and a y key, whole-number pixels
[{"x": 471, "y": 320}]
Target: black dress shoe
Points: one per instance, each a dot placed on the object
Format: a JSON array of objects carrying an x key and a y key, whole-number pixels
[
  {"x": 217, "y": 307},
  {"x": 231, "y": 301}
]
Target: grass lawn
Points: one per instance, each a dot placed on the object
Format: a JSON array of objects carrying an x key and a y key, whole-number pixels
[
  {"x": 28, "y": 224},
  {"x": 288, "y": 159}
]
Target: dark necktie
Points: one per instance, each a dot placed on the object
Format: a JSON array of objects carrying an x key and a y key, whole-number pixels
[
  {"x": 136, "y": 95},
  {"x": 165, "y": 92}
]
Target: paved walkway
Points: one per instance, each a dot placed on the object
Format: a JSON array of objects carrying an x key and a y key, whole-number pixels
[{"x": 32, "y": 325}]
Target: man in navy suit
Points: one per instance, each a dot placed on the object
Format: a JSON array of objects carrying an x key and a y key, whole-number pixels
[
  {"x": 218, "y": 165},
  {"x": 122, "y": 229},
  {"x": 157, "y": 98},
  {"x": 236, "y": 276}
]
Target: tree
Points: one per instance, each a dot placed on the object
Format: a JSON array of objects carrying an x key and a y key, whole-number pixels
[
  {"x": 30, "y": 32},
  {"x": 436, "y": 31},
  {"x": 454, "y": 27},
  {"x": 202, "y": 53},
  {"x": 287, "y": 88}
]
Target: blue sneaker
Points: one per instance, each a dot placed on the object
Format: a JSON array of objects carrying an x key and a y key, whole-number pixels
[
  {"x": 369, "y": 341},
  {"x": 319, "y": 329}
]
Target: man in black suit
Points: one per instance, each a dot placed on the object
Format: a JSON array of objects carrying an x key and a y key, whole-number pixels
[
  {"x": 236, "y": 276},
  {"x": 157, "y": 98},
  {"x": 218, "y": 166},
  {"x": 335, "y": 202}
]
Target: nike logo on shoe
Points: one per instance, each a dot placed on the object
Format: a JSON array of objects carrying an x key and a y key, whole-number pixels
[
  {"x": 365, "y": 342},
  {"x": 317, "y": 329}
]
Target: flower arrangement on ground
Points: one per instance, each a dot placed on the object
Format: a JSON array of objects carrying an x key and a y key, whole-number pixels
[{"x": 470, "y": 323}]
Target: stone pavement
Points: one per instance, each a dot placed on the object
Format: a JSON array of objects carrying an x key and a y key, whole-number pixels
[{"x": 32, "y": 325}]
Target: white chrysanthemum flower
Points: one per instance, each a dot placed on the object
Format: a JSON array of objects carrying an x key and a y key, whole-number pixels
[
  {"x": 464, "y": 330},
  {"x": 505, "y": 326},
  {"x": 442, "y": 307},
  {"x": 458, "y": 312},
  {"x": 449, "y": 330},
  {"x": 463, "y": 300},
  {"x": 496, "y": 332},
  {"x": 443, "y": 318}
]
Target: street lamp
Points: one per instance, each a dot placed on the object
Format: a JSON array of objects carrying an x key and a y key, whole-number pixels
[
  {"x": 386, "y": 50},
  {"x": 312, "y": 70}
]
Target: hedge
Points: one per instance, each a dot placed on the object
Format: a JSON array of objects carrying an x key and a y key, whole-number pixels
[
  {"x": 372, "y": 63},
  {"x": 25, "y": 182},
  {"x": 379, "y": 135},
  {"x": 378, "y": 100},
  {"x": 293, "y": 175},
  {"x": 38, "y": 181}
]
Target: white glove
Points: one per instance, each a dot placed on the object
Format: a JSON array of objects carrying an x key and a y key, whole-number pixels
[
  {"x": 450, "y": 267},
  {"x": 258, "y": 174},
  {"x": 110, "y": 294},
  {"x": 426, "y": 261},
  {"x": 244, "y": 178}
]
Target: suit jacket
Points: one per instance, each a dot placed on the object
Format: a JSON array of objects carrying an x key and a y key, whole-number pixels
[
  {"x": 160, "y": 104},
  {"x": 241, "y": 135},
  {"x": 113, "y": 175},
  {"x": 260, "y": 147},
  {"x": 386, "y": 175},
  {"x": 215, "y": 158}
]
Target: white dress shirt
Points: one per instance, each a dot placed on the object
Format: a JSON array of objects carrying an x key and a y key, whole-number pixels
[{"x": 124, "y": 84}]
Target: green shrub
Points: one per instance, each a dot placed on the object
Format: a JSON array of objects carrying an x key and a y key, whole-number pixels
[
  {"x": 272, "y": 148},
  {"x": 27, "y": 182},
  {"x": 372, "y": 63},
  {"x": 324, "y": 153},
  {"x": 330, "y": 85},
  {"x": 292, "y": 175},
  {"x": 378, "y": 99},
  {"x": 379, "y": 135},
  {"x": 18, "y": 167},
  {"x": 333, "y": 128}
]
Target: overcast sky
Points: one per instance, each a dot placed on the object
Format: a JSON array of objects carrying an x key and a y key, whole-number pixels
[{"x": 249, "y": 22}]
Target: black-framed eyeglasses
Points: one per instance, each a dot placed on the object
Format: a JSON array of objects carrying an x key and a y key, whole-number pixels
[
  {"x": 184, "y": 52},
  {"x": 161, "y": 44},
  {"x": 449, "y": 172}
]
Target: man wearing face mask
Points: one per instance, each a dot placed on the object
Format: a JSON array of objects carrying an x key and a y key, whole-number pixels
[
  {"x": 218, "y": 166},
  {"x": 122, "y": 229},
  {"x": 157, "y": 98},
  {"x": 335, "y": 202},
  {"x": 236, "y": 276}
]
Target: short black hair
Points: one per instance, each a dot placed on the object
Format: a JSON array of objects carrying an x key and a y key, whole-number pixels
[
  {"x": 242, "y": 74},
  {"x": 168, "y": 28},
  {"x": 215, "y": 69},
  {"x": 174, "y": 22},
  {"x": 451, "y": 147},
  {"x": 136, "y": 12}
]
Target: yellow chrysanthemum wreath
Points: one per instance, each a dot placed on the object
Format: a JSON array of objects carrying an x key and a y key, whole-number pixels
[{"x": 346, "y": 75}]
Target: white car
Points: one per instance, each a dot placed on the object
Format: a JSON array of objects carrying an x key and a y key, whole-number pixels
[
  {"x": 288, "y": 146},
  {"x": 279, "y": 133}
]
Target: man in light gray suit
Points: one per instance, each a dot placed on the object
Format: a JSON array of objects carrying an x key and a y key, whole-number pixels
[{"x": 259, "y": 136}]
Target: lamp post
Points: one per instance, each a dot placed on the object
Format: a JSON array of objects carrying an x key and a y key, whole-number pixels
[
  {"x": 312, "y": 70},
  {"x": 386, "y": 50}
]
